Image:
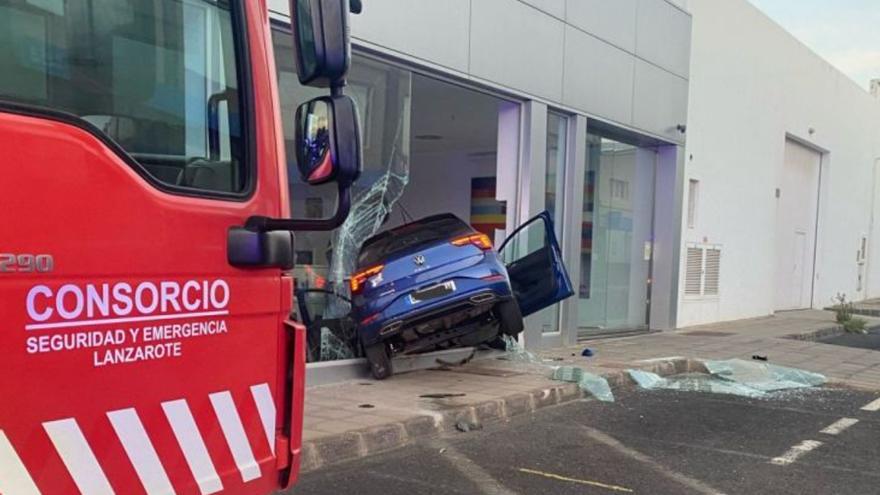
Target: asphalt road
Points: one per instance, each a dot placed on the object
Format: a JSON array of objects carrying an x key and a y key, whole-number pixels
[{"x": 645, "y": 443}]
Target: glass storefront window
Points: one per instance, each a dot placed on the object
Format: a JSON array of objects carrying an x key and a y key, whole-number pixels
[{"x": 616, "y": 235}]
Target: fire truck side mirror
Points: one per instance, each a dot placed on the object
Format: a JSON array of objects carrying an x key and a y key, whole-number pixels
[
  {"x": 328, "y": 149},
  {"x": 328, "y": 141},
  {"x": 321, "y": 35},
  {"x": 328, "y": 138}
]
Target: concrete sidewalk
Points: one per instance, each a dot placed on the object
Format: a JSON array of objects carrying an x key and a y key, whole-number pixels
[{"x": 359, "y": 418}]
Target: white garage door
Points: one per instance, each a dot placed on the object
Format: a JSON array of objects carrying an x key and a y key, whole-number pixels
[{"x": 796, "y": 205}]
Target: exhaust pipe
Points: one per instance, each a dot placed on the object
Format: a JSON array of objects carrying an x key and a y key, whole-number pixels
[
  {"x": 482, "y": 298},
  {"x": 390, "y": 328}
]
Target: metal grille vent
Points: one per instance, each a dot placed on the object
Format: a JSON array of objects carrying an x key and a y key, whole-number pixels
[
  {"x": 712, "y": 273},
  {"x": 703, "y": 271},
  {"x": 693, "y": 272}
]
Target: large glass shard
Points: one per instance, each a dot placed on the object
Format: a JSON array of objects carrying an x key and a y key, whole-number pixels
[
  {"x": 595, "y": 385},
  {"x": 763, "y": 376},
  {"x": 517, "y": 353},
  {"x": 733, "y": 377}
]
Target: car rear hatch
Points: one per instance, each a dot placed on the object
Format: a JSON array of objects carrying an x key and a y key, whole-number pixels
[
  {"x": 421, "y": 268},
  {"x": 416, "y": 256}
]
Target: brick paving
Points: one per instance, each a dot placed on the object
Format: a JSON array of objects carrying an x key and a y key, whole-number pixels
[{"x": 358, "y": 418}]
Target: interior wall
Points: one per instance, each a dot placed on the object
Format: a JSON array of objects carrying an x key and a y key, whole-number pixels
[{"x": 440, "y": 182}]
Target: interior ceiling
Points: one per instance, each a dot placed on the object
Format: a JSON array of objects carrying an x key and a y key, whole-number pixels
[{"x": 452, "y": 118}]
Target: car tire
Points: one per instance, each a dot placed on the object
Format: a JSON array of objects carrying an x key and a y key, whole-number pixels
[
  {"x": 510, "y": 317},
  {"x": 379, "y": 357}
]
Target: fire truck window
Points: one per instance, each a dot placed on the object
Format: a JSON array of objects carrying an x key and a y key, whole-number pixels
[{"x": 157, "y": 76}]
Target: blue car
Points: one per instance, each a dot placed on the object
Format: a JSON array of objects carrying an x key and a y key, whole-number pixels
[{"x": 437, "y": 283}]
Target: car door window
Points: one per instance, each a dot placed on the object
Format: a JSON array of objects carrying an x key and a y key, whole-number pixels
[{"x": 534, "y": 263}]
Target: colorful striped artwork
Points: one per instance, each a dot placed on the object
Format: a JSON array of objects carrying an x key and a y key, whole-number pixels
[{"x": 487, "y": 213}]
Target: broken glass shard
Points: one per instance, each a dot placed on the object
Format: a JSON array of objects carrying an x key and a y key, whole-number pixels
[
  {"x": 595, "y": 385},
  {"x": 733, "y": 377}
]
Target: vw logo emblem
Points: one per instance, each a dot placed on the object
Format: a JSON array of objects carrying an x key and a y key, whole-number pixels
[{"x": 419, "y": 260}]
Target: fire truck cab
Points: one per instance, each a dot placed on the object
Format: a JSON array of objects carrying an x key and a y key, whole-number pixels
[{"x": 146, "y": 240}]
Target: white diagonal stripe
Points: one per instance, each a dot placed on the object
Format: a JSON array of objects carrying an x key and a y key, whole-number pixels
[
  {"x": 193, "y": 446},
  {"x": 266, "y": 408},
  {"x": 78, "y": 457},
  {"x": 140, "y": 451},
  {"x": 14, "y": 477},
  {"x": 873, "y": 406},
  {"x": 233, "y": 430},
  {"x": 838, "y": 426},
  {"x": 795, "y": 452}
]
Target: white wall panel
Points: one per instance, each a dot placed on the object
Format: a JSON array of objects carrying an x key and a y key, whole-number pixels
[
  {"x": 664, "y": 35},
  {"x": 660, "y": 100},
  {"x": 437, "y": 32},
  {"x": 612, "y": 20},
  {"x": 555, "y": 8},
  {"x": 598, "y": 77},
  {"x": 517, "y": 46}
]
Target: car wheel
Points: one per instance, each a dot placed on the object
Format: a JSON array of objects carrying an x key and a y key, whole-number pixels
[
  {"x": 498, "y": 343},
  {"x": 379, "y": 357},
  {"x": 509, "y": 317}
]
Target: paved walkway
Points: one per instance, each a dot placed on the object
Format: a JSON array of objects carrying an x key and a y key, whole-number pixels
[{"x": 355, "y": 419}]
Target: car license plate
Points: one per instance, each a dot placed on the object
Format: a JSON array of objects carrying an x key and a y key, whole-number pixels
[{"x": 432, "y": 292}]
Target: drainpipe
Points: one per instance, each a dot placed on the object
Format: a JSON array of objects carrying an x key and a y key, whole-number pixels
[{"x": 871, "y": 240}]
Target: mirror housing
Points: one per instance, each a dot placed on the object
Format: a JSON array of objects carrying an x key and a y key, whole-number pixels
[{"x": 321, "y": 40}]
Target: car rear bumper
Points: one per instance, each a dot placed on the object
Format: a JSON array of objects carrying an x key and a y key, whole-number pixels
[{"x": 475, "y": 299}]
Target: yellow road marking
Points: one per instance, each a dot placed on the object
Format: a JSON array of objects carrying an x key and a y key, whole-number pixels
[{"x": 575, "y": 480}]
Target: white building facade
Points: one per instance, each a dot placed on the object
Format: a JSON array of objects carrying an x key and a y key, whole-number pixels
[
  {"x": 782, "y": 167},
  {"x": 701, "y": 164}
]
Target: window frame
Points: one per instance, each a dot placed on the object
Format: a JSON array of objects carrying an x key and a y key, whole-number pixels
[{"x": 248, "y": 165}]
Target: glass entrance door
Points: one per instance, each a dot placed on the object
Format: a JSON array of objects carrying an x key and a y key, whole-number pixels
[
  {"x": 554, "y": 197},
  {"x": 616, "y": 249}
]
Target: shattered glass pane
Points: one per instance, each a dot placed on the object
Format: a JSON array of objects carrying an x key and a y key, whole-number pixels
[
  {"x": 595, "y": 385},
  {"x": 733, "y": 377},
  {"x": 332, "y": 348},
  {"x": 386, "y": 169},
  {"x": 691, "y": 383},
  {"x": 763, "y": 376},
  {"x": 369, "y": 210},
  {"x": 516, "y": 352}
]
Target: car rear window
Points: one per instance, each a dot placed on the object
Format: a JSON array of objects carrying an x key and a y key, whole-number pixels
[{"x": 411, "y": 235}]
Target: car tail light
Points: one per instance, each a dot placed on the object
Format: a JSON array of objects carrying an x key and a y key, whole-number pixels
[
  {"x": 482, "y": 241},
  {"x": 360, "y": 278},
  {"x": 371, "y": 319}
]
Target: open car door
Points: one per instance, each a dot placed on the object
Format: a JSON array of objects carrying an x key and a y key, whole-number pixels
[{"x": 534, "y": 262}]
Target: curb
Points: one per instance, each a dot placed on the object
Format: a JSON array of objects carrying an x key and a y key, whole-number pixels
[
  {"x": 355, "y": 444},
  {"x": 861, "y": 311},
  {"x": 817, "y": 335},
  {"x": 824, "y": 333}
]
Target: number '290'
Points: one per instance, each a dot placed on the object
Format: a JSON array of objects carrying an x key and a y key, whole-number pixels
[{"x": 26, "y": 263}]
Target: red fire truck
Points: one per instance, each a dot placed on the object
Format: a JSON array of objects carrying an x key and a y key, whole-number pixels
[{"x": 146, "y": 241}]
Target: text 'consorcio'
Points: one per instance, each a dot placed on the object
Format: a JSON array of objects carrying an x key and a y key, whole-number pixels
[{"x": 74, "y": 302}]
